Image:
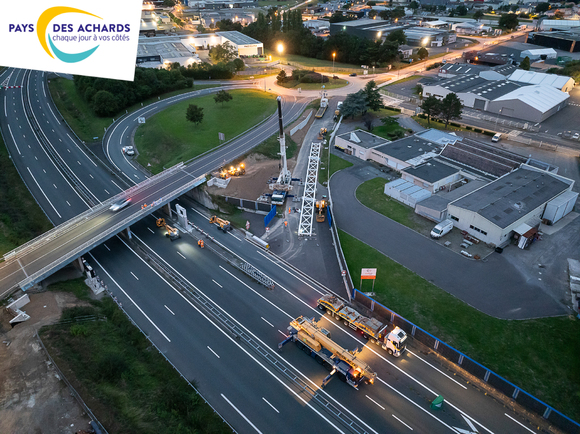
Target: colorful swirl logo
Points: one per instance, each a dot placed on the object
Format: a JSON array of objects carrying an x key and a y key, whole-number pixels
[{"x": 41, "y": 31}]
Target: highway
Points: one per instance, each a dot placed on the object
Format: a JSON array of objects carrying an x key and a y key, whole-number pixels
[{"x": 221, "y": 329}]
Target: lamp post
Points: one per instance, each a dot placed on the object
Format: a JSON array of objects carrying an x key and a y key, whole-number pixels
[{"x": 333, "y": 56}]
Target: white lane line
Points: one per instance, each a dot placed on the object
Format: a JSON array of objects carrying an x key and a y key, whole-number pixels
[
  {"x": 68, "y": 203},
  {"x": 44, "y": 170},
  {"x": 107, "y": 247},
  {"x": 151, "y": 230},
  {"x": 241, "y": 414},
  {"x": 122, "y": 134},
  {"x": 106, "y": 191},
  {"x": 36, "y": 158},
  {"x": 216, "y": 283},
  {"x": 134, "y": 275},
  {"x": 68, "y": 150},
  {"x": 135, "y": 176},
  {"x": 519, "y": 423},
  {"x": 116, "y": 185},
  {"x": 234, "y": 236},
  {"x": 402, "y": 422},
  {"x": 169, "y": 310},
  {"x": 214, "y": 353},
  {"x": 91, "y": 176},
  {"x": 267, "y": 322},
  {"x": 79, "y": 162},
  {"x": 130, "y": 299},
  {"x": 42, "y": 191},
  {"x": 469, "y": 423},
  {"x": 15, "y": 144},
  {"x": 283, "y": 334},
  {"x": 54, "y": 185},
  {"x": 274, "y": 408},
  {"x": 438, "y": 370},
  {"x": 5, "y": 113},
  {"x": 44, "y": 89},
  {"x": 375, "y": 402},
  {"x": 81, "y": 149},
  {"x": 55, "y": 118},
  {"x": 180, "y": 254}
]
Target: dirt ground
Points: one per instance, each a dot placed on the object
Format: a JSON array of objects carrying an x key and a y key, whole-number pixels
[
  {"x": 32, "y": 397},
  {"x": 260, "y": 169}
]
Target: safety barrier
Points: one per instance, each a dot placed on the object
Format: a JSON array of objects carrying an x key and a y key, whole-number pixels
[
  {"x": 476, "y": 369},
  {"x": 301, "y": 124},
  {"x": 252, "y": 205}
]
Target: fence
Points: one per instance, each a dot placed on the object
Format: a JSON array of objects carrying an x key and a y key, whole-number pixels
[
  {"x": 508, "y": 389},
  {"x": 270, "y": 216},
  {"x": 300, "y": 125},
  {"x": 251, "y": 205}
]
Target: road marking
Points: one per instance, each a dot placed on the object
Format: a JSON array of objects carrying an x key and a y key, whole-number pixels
[
  {"x": 135, "y": 176},
  {"x": 5, "y": 113},
  {"x": 68, "y": 203},
  {"x": 267, "y": 322},
  {"x": 216, "y": 283},
  {"x": 91, "y": 176},
  {"x": 130, "y": 299},
  {"x": 179, "y": 253},
  {"x": 106, "y": 191},
  {"x": 402, "y": 422},
  {"x": 55, "y": 118},
  {"x": 42, "y": 191},
  {"x": 15, "y": 144},
  {"x": 241, "y": 414},
  {"x": 151, "y": 230},
  {"x": 68, "y": 150},
  {"x": 266, "y": 401},
  {"x": 107, "y": 247},
  {"x": 44, "y": 170},
  {"x": 36, "y": 157},
  {"x": 122, "y": 134},
  {"x": 116, "y": 185},
  {"x": 54, "y": 185},
  {"x": 169, "y": 310},
  {"x": 375, "y": 402},
  {"x": 283, "y": 334},
  {"x": 519, "y": 423},
  {"x": 79, "y": 162},
  {"x": 134, "y": 275},
  {"x": 234, "y": 236},
  {"x": 214, "y": 353},
  {"x": 438, "y": 370}
]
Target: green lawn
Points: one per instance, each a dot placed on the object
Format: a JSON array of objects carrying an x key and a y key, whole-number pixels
[
  {"x": 332, "y": 84},
  {"x": 513, "y": 349},
  {"x": 168, "y": 138},
  {"x": 21, "y": 219},
  {"x": 403, "y": 80},
  {"x": 80, "y": 115},
  {"x": 336, "y": 164},
  {"x": 371, "y": 194},
  {"x": 270, "y": 147},
  {"x": 389, "y": 132},
  {"x": 312, "y": 63},
  {"x": 128, "y": 385},
  {"x": 438, "y": 125}
]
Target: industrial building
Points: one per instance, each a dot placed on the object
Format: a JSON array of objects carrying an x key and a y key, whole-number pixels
[
  {"x": 498, "y": 72},
  {"x": 565, "y": 40},
  {"x": 560, "y": 82}
]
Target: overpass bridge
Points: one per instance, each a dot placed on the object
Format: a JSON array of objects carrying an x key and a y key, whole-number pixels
[{"x": 32, "y": 262}]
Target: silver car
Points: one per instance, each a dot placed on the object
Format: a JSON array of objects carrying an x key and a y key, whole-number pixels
[{"x": 120, "y": 204}]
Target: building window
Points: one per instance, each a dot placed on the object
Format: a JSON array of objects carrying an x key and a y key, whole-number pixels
[
  {"x": 452, "y": 217},
  {"x": 477, "y": 230}
]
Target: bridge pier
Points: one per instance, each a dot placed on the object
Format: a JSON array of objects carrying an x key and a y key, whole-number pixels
[
  {"x": 167, "y": 209},
  {"x": 127, "y": 232}
]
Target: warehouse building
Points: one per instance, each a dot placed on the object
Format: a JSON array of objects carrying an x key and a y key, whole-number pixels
[
  {"x": 498, "y": 72},
  {"x": 511, "y": 204},
  {"x": 565, "y": 40},
  {"x": 560, "y": 82},
  {"x": 432, "y": 175}
]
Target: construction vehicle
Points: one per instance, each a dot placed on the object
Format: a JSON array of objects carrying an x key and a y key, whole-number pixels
[
  {"x": 321, "y": 210},
  {"x": 323, "y": 107},
  {"x": 284, "y": 180},
  {"x": 278, "y": 197},
  {"x": 337, "y": 111},
  {"x": 239, "y": 170},
  {"x": 316, "y": 342},
  {"x": 322, "y": 133},
  {"x": 172, "y": 233},
  {"x": 394, "y": 342},
  {"x": 222, "y": 224}
]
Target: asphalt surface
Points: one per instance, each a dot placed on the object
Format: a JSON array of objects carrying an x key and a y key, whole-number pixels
[
  {"x": 470, "y": 281},
  {"x": 249, "y": 383}
]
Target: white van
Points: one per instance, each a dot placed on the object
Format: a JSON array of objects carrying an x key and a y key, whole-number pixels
[
  {"x": 442, "y": 228},
  {"x": 496, "y": 137}
]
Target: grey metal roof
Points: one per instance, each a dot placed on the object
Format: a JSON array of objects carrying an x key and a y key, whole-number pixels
[
  {"x": 463, "y": 83},
  {"x": 464, "y": 68},
  {"x": 407, "y": 148},
  {"x": 238, "y": 38},
  {"x": 431, "y": 171},
  {"x": 367, "y": 140},
  {"x": 509, "y": 198},
  {"x": 435, "y": 202},
  {"x": 438, "y": 136}
]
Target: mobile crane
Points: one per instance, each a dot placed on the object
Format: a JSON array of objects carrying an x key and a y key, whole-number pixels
[
  {"x": 321, "y": 210},
  {"x": 394, "y": 342},
  {"x": 316, "y": 342},
  {"x": 172, "y": 233},
  {"x": 222, "y": 224}
]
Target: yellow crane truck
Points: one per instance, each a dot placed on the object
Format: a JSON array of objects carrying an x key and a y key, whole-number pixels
[
  {"x": 316, "y": 342},
  {"x": 222, "y": 224},
  {"x": 172, "y": 233},
  {"x": 394, "y": 342},
  {"x": 321, "y": 210}
]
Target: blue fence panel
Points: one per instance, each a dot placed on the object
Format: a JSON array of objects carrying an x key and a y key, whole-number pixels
[
  {"x": 329, "y": 217},
  {"x": 270, "y": 216}
]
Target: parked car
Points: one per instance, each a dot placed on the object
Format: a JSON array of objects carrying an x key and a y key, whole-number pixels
[
  {"x": 576, "y": 136},
  {"x": 442, "y": 228},
  {"x": 496, "y": 137},
  {"x": 352, "y": 75},
  {"x": 128, "y": 150},
  {"x": 120, "y": 204}
]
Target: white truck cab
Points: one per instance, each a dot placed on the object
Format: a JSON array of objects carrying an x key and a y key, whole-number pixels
[
  {"x": 395, "y": 342},
  {"x": 496, "y": 137},
  {"x": 442, "y": 228}
]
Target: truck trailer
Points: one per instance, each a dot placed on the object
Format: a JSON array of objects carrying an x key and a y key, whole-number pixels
[
  {"x": 322, "y": 109},
  {"x": 316, "y": 342}
]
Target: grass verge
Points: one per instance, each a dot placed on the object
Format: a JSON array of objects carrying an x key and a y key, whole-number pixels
[
  {"x": 403, "y": 80},
  {"x": 389, "y": 132},
  {"x": 168, "y": 138},
  {"x": 123, "y": 379},
  {"x": 21, "y": 219},
  {"x": 332, "y": 84},
  {"x": 336, "y": 164},
  {"x": 79, "y": 114},
  {"x": 270, "y": 147},
  {"x": 513, "y": 349},
  {"x": 438, "y": 125}
]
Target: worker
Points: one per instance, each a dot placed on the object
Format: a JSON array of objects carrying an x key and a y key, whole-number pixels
[
  {"x": 289, "y": 210},
  {"x": 201, "y": 244},
  {"x": 285, "y": 223}
]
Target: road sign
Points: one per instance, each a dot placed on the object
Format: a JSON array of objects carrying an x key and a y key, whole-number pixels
[
  {"x": 141, "y": 120},
  {"x": 247, "y": 225},
  {"x": 368, "y": 273},
  {"x": 222, "y": 136},
  {"x": 267, "y": 229},
  {"x": 343, "y": 273}
]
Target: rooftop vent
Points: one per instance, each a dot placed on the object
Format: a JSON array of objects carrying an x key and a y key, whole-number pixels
[{"x": 354, "y": 138}]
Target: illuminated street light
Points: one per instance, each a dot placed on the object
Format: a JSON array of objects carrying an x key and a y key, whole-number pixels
[
  {"x": 280, "y": 48},
  {"x": 333, "y": 56}
]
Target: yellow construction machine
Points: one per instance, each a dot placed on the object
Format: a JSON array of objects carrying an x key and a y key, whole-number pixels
[
  {"x": 239, "y": 170},
  {"x": 321, "y": 210},
  {"x": 322, "y": 133},
  {"x": 222, "y": 224},
  {"x": 172, "y": 233}
]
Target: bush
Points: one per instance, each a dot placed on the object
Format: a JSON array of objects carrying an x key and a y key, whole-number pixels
[
  {"x": 110, "y": 367},
  {"x": 79, "y": 330},
  {"x": 453, "y": 124},
  {"x": 489, "y": 133},
  {"x": 468, "y": 128},
  {"x": 477, "y": 130}
]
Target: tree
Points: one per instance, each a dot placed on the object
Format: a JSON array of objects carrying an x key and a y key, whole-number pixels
[
  {"x": 201, "y": 29},
  {"x": 431, "y": 106},
  {"x": 281, "y": 77},
  {"x": 222, "y": 96},
  {"x": 461, "y": 10},
  {"x": 239, "y": 64},
  {"x": 398, "y": 12},
  {"x": 514, "y": 8},
  {"x": 525, "y": 64},
  {"x": 543, "y": 7},
  {"x": 477, "y": 14},
  {"x": 450, "y": 108},
  {"x": 225, "y": 52},
  {"x": 385, "y": 15},
  {"x": 372, "y": 96},
  {"x": 229, "y": 25},
  {"x": 422, "y": 53},
  {"x": 414, "y": 5},
  {"x": 372, "y": 13},
  {"x": 105, "y": 103},
  {"x": 559, "y": 14},
  {"x": 354, "y": 104},
  {"x": 509, "y": 21},
  {"x": 418, "y": 90},
  {"x": 194, "y": 114},
  {"x": 368, "y": 122},
  {"x": 397, "y": 36},
  {"x": 371, "y": 3},
  {"x": 168, "y": 3}
]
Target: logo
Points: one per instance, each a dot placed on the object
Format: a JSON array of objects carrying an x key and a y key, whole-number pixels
[{"x": 41, "y": 31}]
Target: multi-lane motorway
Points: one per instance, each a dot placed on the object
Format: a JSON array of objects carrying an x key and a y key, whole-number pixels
[{"x": 219, "y": 327}]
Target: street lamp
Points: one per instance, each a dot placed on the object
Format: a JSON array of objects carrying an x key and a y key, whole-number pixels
[
  {"x": 333, "y": 56},
  {"x": 280, "y": 48}
]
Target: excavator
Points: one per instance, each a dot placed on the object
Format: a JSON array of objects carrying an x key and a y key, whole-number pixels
[
  {"x": 222, "y": 224},
  {"x": 172, "y": 233},
  {"x": 233, "y": 171},
  {"x": 321, "y": 210},
  {"x": 322, "y": 133}
]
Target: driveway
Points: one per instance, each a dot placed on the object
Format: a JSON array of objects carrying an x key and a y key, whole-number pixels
[{"x": 495, "y": 286}]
